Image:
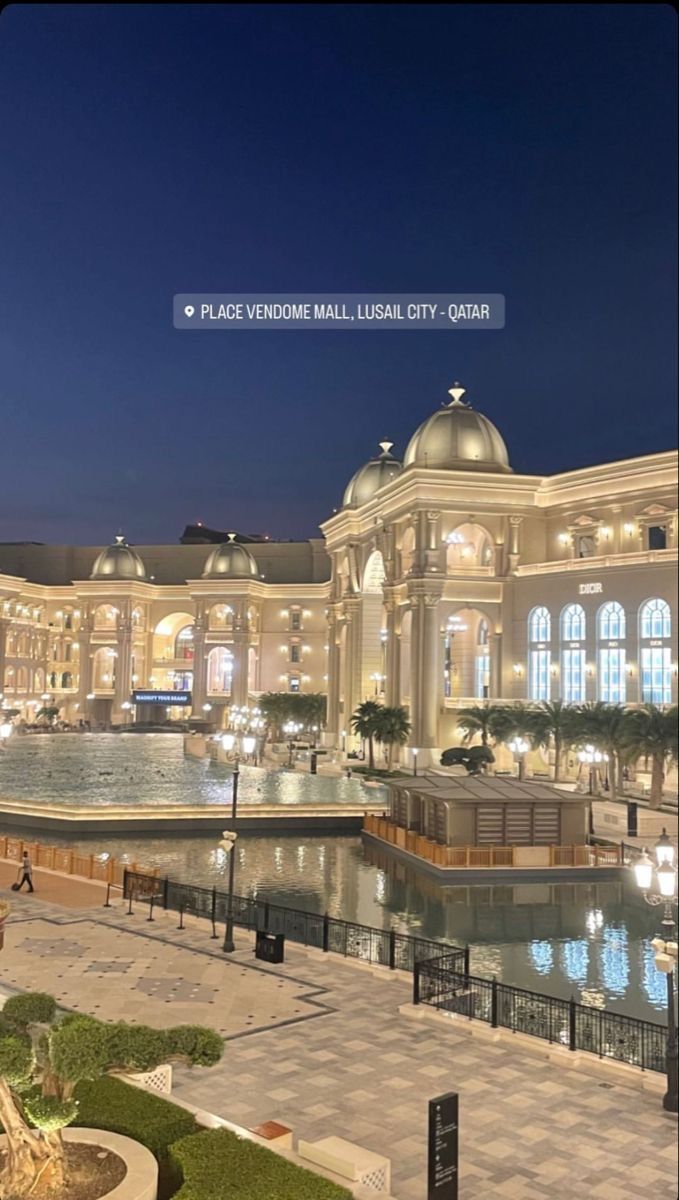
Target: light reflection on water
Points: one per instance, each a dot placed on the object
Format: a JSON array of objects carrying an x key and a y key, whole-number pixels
[
  {"x": 586, "y": 940},
  {"x": 151, "y": 769},
  {"x": 541, "y": 936}
]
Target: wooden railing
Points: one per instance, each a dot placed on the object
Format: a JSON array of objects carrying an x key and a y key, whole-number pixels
[
  {"x": 489, "y": 856},
  {"x": 70, "y": 862}
]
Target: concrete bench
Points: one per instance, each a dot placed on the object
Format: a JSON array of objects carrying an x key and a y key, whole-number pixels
[{"x": 352, "y": 1162}]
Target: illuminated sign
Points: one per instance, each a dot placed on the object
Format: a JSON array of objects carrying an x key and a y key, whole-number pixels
[
  {"x": 587, "y": 589},
  {"x": 170, "y": 699}
]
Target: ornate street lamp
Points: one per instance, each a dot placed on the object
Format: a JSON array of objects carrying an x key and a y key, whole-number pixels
[
  {"x": 593, "y": 758},
  {"x": 663, "y": 890},
  {"x": 228, "y": 741},
  {"x": 519, "y": 747}
]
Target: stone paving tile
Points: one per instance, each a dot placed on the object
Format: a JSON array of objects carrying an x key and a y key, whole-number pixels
[{"x": 351, "y": 1065}]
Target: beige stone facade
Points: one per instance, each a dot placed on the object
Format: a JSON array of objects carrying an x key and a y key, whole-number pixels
[{"x": 442, "y": 579}]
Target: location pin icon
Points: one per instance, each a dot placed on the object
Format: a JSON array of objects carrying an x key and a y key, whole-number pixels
[{"x": 189, "y": 310}]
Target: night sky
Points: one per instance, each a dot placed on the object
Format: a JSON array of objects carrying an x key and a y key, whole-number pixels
[{"x": 145, "y": 151}]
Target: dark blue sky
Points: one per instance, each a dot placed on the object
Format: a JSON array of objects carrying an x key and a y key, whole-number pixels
[{"x": 145, "y": 151}]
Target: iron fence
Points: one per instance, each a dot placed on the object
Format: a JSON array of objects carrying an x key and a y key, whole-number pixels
[
  {"x": 384, "y": 947},
  {"x": 440, "y": 983}
]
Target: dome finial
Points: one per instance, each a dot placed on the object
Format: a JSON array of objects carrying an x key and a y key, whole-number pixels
[
  {"x": 231, "y": 537},
  {"x": 385, "y": 447},
  {"x": 457, "y": 392},
  {"x": 120, "y": 538}
]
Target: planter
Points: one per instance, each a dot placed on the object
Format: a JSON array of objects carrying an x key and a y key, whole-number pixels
[{"x": 141, "y": 1180}]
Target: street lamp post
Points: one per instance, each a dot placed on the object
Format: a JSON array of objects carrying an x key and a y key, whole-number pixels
[
  {"x": 666, "y": 947},
  {"x": 229, "y": 946},
  {"x": 520, "y": 747},
  {"x": 414, "y": 753}
]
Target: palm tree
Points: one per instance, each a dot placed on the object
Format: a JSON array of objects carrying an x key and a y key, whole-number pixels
[
  {"x": 651, "y": 732},
  {"x": 604, "y": 727},
  {"x": 364, "y": 723},
  {"x": 479, "y": 718},
  {"x": 554, "y": 722},
  {"x": 392, "y": 728}
]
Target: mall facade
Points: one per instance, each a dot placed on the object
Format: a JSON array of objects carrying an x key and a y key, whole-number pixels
[{"x": 444, "y": 578}]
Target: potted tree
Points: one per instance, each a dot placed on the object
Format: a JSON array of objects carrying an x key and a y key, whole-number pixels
[{"x": 43, "y": 1057}]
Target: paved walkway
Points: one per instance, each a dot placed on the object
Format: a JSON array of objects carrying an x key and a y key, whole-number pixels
[{"x": 319, "y": 1044}]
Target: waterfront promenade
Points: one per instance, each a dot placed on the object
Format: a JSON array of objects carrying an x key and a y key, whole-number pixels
[{"x": 319, "y": 1044}]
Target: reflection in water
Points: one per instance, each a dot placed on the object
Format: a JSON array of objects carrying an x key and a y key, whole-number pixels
[
  {"x": 590, "y": 940},
  {"x": 575, "y": 960},
  {"x": 542, "y": 954},
  {"x": 151, "y": 769},
  {"x": 614, "y": 957}
]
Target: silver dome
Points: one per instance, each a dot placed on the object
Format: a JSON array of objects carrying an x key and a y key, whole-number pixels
[
  {"x": 371, "y": 477},
  {"x": 458, "y": 438},
  {"x": 231, "y": 560},
  {"x": 118, "y": 561}
]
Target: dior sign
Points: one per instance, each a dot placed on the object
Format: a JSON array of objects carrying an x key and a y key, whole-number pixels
[{"x": 588, "y": 589}]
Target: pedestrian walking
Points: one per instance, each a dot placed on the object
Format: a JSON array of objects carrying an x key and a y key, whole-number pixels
[{"x": 26, "y": 871}]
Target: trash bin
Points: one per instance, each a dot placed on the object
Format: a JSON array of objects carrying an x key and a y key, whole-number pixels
[{"x": 269, "y": 946}]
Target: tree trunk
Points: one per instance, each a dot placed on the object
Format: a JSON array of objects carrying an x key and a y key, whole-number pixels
[
  {"x": 26, "y": 1152},
  {"x": 558, "y": 752},
  {"x": 612, "y": 774},
  {"x": 657, "y": 780},
  {"x": 371, "y": 754}
]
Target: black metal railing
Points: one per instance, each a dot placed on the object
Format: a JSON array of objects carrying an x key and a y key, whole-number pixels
[
  {"x": 384, "y": 947},
  {"x": 440, "y": 983}
]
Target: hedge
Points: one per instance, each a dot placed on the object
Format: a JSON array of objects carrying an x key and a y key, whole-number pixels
[
  {"x": 218, "y": 1165},
  {"x": 110, "y": 1103}
]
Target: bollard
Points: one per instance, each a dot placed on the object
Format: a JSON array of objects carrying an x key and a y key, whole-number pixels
[
  {"x": 150, "y": 916},
  {"x": 572, "y": 1026},
  {"x": 213, "y": 913},
  {"x": 392, "y": 949},
  {"x": 326, "y": 932},
  {"x": 129, "y": 907},
  {"x": 108, "y": 896},
  {"x": 181, "y": 917},
  {"x": 416, "y": 983}
]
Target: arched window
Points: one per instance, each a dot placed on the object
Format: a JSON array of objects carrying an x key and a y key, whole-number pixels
[
  {"x": 539, "y": 633},
  {"x": 221, "y": 616},
  {"x": 573, "y": 623},
  {"x": 539, "y": 625},
  {"x": 482, "y": 661},
  {"x": 656, "y": 621},
  {"x": 183, "y": 644},
  {"x": 573, "y": 654},
  {"x": 611, "y": 673},
  {"x": 219, "y": 671},
  {"x": 66, "y": 679},
  {"x": 105, "y": 617},
  {"x": 137, "y": 618},
  {"x": 612, "y": 621},
  {"x": 655, "y": 629}
]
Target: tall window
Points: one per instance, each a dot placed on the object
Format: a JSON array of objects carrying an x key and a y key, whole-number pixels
[
  {"x": 482, "y": 679},
  {"x": 656, "y": 621},
  {"x": 573, "y": 654},
  {"x": 573, "y": 623},
  {"x": 655, "y": 628},
  {"x": 183, "y": 644},
  {"x": 611, "y": 654},
  {"x": 539, "y": 634},
  {"x": 220, "y": 670},
  {"x": 612, "y": 621}
]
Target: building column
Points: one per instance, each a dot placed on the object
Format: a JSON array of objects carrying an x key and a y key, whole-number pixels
[
  {"x": 393, "y": 651},
  {"x": 426, "y": 687},
  {"x": 352, "y": 609},
  {"x": 84, "y": 669},
  {"x": 4, "y": 626},
  {"x": 495, "y": 650},
  {"x": 514, "y": 543},
  {"x": 332, "y": 715},
  {"x": 123, "y": 670},
  {"x": 199, "y": 690}
]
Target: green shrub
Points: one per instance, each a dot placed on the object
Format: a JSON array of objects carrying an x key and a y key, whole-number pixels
[
  {"x": 33, "y": 1008},
  {"x": 203, "y": 1047},
  {"x": 217, "y": 1165},
  {"x": 135, "y": 1047},
  {"x": 110, "y": 1103}
]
